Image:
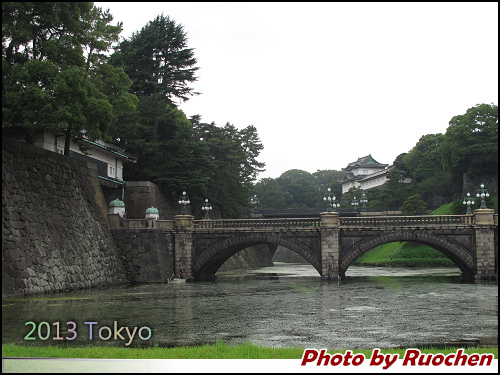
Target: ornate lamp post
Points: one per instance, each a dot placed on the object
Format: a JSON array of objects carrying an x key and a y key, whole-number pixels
[
  {"x": 355, "y": 204},
  {"x": 331, "y": 201},
  {"x": 364, "y": 200},
  {"x": 482, "y": 193},
  {"x": 254, "y": 201},
  {"x": 468, "y": 201},
  {"x": 207, "y": 207},
  {"x": 184, "y": 201}
]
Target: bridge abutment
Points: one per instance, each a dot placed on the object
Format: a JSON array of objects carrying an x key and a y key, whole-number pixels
[
  {"x": 330, "y": 249},
  {"x": 486, "y": 257}
]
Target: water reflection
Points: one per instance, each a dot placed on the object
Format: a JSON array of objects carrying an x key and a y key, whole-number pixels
[{"x": 284, "y": 305}]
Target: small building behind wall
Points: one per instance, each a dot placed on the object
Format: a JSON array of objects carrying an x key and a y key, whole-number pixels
[{"x": 107, "y": 157}]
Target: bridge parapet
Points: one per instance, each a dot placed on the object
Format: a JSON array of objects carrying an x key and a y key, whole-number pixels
[
  {"x": 299, "y": 223},
  {"x": 258, "y": 224},
  {"x": 409, "y": 221}
]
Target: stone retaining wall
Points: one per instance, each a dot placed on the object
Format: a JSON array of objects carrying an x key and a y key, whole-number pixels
[
  {"x": 251, "y": 257},
  {"x": 472, "y": 184},
  {"x": 55, "y": 236},
  {"x": 288, "y": 256},
  {"x": 140, "y": 195},
  {"x": 147, "y": 254}
]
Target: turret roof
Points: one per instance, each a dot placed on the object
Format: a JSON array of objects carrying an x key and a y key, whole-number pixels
[
  {"x": 116, "y": 203},
  {"x": 366, "y": 161},
  {"x": 152, "y": 210}
]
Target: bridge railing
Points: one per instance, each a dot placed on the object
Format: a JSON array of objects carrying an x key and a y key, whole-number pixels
[
  {"x": 252, "y": 224},
  {"x": 427, "y": 220}
]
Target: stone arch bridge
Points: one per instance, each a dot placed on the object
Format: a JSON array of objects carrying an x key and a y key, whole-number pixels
[{"x": 330, "y": 243}]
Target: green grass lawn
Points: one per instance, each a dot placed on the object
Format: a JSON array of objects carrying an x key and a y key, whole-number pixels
[
  {"x": 445, "y": 209},
  {"x": 404, "y": 254},
  {"x": 218, "y": 350},
  {"x": 407, "y": 254}
]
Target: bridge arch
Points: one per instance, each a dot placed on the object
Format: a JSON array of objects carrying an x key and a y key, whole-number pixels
[
  {"x": 458, "y": 253},
  {"x": 213, "y": 257}
]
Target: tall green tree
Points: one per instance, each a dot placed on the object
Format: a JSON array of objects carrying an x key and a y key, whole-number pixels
[
  {"x": 471, "y": 142},
  {"x": 442, "y": 184},
  {"x": 302, "y": 188},
  {"x": 161, "y": 67},
  {"x": 347, "y": 198},
  {"x": 414, "y": 205},
  {"x": 296, "y": 189},
  {"x": 158, "y": 60},
  {"x": 234, "y": 166},
  {"x": 424, "y": 159},
  {"x": 52, "y": 69},
  {"x": 392, "y": 194},
  {"x": 325, "y": 179},
  {"x": 425, "y": 165},
  {"x": 270, "y": 194},
  {"x": 175, "y": 159},
  {"x": 400, "y": 165},
  {"x": 51, "y": 31},
  {"x": 99, "y": 36}
]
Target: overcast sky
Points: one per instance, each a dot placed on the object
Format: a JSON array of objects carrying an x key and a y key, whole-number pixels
[{"x": 326, "y": 83}]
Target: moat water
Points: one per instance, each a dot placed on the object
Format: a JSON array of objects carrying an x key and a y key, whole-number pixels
[{"x": 282, "y": 306}]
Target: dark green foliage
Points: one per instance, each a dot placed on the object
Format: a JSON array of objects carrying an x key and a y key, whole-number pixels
[
  {"x": 270, "y": 194},
  {"x": 48, "y": 83},
  {"x": 414, "y": 205},
  {"x": 437, "y": 162},
  {"x": 442, "y": 184},
  {"x": 298, "y": 189},
  {"x": 178, "y": 154},
  {"x": 44, "y": 30},
  {"x": 233, "y": 165},
  {"x": 458, "y": 208},
  {"x": 158, "y": 61},
  {"x": 328, "y": 178},
  {"x": 301, "y": 186},
  {"x": 348, "y": 197},
  {"x": 392, "y": 194},
  {"x": 204, "y": 160},
  {"x": 170, "y": 156},
  {"x": 471, "y": 142},
  {"x": 425, "y": 163},
  {"x": 400, "y": 165},
  {"x": 424, "y": 159}
]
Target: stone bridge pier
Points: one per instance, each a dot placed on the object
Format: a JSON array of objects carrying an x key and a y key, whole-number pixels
[
  {"x": 330, "y": 246},
  {"x": 486, "y": 243},
  {"x": 183, "y": 249}
]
